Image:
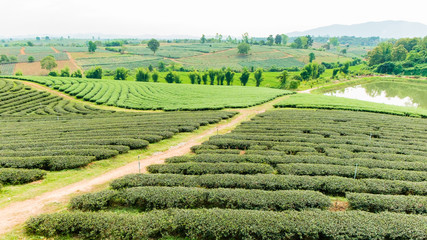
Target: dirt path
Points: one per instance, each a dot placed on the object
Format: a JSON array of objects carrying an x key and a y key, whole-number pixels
[
  {"x": 19, "y": 212},
  {"x": 55, "y": 50},
  {"x": 73, "y": 61},
  {"x": 22, "y": 51}
]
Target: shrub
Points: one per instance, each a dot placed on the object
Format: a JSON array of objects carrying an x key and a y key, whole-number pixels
[
  {"x": 19, "y": 176},
  {"x": 94, "y": 73},
  {"x": 231, "y": 224},
  {"x": 391, "y": 203},
  {"x": 191, "y": 168},
  {"x": 121, "y": 73},
  {"x": 149, "y": 198}
]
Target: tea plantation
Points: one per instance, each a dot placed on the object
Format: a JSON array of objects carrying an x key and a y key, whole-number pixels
[
  {"x": 270, "y": 178},
  {"x": 160, "y": 96}
]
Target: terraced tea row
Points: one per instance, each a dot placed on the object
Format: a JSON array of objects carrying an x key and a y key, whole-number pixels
[
  {"x": 146, "y": 96},
  {"x": 72, "y": 141},
  {"x": 280, "y": 160},
  {"x": 18, "y": 99}
]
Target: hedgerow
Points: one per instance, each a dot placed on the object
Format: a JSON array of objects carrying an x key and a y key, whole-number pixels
[
  {"x": 19, "y": 176},
  {"x": 230, "y": 224},
  {"x": 274, "y": 160},
  {"x": 149, "y": 198},
  {"x": 191, "y": 168},
  {"x": 326, "y": 184},
  {"x": 350, "y": 171},
  {"x": 391, "y": 203}
]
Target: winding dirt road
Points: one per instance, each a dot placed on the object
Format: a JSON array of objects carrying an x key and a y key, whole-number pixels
[{"x": 18, "y": 212}]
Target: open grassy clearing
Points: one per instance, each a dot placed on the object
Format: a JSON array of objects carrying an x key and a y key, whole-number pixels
[
  {"x": 139, "y": 95},
  {"x": 283, "y": 140}
]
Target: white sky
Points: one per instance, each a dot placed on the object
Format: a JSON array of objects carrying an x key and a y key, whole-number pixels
[{"x": 194, "y": 17}]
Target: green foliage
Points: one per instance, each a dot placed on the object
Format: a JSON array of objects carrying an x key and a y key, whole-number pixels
[
  {"x": 193, "y": 77},
  {"x": 258, "y": 76},
  {"x": 30, "y": 59},
  {"x": 230, "y": 224},
  {"x": 278, "y": 39},
  {"x": 391, "y": 203},
  {"x": 311, "y": 57},
  {"x": 334, "y": 41},
  {"x": 91, "y": 46},
  {"x": 205, "y": 78},
  {"x": 330, "y": 102},
  {"x": 172, "y": 77},
  {"x": 190, "y": 168},
  {"x": 220, "y": 76},
  {"x": 243, "y": 48},
  {"x": 94, "y": 73},
  {"x": 48, "y": 63},
  {"x": 270, "y": 40},
  {"x": 244, "y": 77},
  {"x": 312, "y": 71},
  {"x": 142, "y": 75},
  {"x": 120, "y": 74},
  {"x": 65, "y": 72},
  {"x": 53, "y": 74},
  {"x": 283, "y": 77},
  {"x": 155, "y": 76},
  {"x": 149, "y": 198},
  {"x": 18, "y": 73},
  {"x": 212, "y": 75},
  {"x": 327, "y": 184},
  {"x": 19, "y": 176},
  {"x": 153, "y": 45},
  {"x": 349, "y": 171},
  {"x": 229, "y": 75},
  {"x": 77, "y": 74},
  {"x": 138, "y": 95}
]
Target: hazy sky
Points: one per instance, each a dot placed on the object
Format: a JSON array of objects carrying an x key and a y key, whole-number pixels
[{"x": 192, "y": 17}]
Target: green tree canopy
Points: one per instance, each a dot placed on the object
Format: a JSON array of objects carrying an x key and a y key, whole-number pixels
[
  {"x": 48, "y": 63},
  {"x": 243, "y": 48},
  {"x": 91, "y": 46},
  {"x": 244, "y": 78},
  {"x": 278, "y": 39},
  {"x": 153, "y": 45},
  {"x": 258, "y": 76},
  {"x": 270, "y": 40}
]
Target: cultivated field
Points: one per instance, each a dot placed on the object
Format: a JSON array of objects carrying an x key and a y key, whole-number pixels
[
  {"x": 152, "y": 96},
  {"x": 237, "y": 185}
]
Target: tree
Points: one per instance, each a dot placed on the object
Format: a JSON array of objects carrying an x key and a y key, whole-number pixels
[
  {"x": 153, "y": 45},
  {"x": 309, "y": 41},
  {"x": 155, "y": 76},
  {"x": 77, "y": 74},
  {"x": 193, "y": 77},
  {"x": 311, "y": 57},
  {"x": 161, "y": 66},
  {"x": 258, "y": 76},
  {"x": 220, "y": 77},
  {"x": 245, "y": 37},
  {"x": 212, "y": 74},
  {"x": 150, "y": 68},
  {"x": 37, "y": 38},
  {"x": 205, "y": 78},
  {"x": 244, "y": 78},
  {"x": 300, "y": 42},
  {"x": 65, "y": 72},
  {"x": 121, "y": 73},
  {"x": 30, "y": 44},
  {"x": 283, "y": 77},
  {"x": 243, "y": 48},
  {"x": 345, "y": 69},
  {"x": 344, "y": 51},
  {"x": 94, "y": 73},
  {"x": 270, "y": 40},
  {"x": 407, "y": 43},
  {"x": 278, "y": 39},
  {"x": 334, "y": 41},
  {"x": 380, "y": 54},
  {"x": 229, "y": 75},
  {"x": 172, "y": 77},
  {"x": 31, "y": 59},
  {"x": 399, "y": 53},
  {"x": 203, "y": 39},
  {"x": 4, "y": 58},
  {"x": 48, "y": 63},
  {"x": 142, "y": 75},
  {"x": 91, "y": 46},
  {"x": 285, "y": 39}
]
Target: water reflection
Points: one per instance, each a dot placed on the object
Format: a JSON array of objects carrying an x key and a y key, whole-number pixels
[{"x": 400, "y": 94}]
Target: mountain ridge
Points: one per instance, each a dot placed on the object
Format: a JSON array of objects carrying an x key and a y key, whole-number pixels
[{"x": 382, "y": 29}]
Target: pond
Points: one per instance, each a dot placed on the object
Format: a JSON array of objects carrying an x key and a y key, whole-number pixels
[{"x": 393, "y": 93}]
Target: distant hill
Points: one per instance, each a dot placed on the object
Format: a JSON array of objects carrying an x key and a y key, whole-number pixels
[{"x": 384, "y": 29}]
